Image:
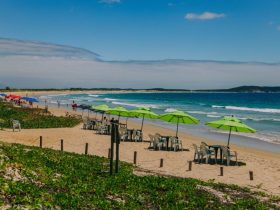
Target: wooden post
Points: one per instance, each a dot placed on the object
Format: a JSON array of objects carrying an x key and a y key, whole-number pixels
[
  {"x": 109, "y": 152},
  {"x": 61, "y": 144},
  {"x": 161, "y": 163},
  {"x": 190, "y": 165},
  {"x": 251, "y": 175},
  {"x": 135, "y": 158},
  {"x": 221, "y": 171},
  {"x": 86, "y": 149},
  {"x": 41, "y": 141}
]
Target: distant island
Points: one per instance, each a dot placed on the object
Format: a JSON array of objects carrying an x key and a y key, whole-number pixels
[
  {"x": 240, "y": 89},
  {"x": 250, "y": 89}
]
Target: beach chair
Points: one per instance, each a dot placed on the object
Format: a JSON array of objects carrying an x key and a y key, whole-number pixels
[
  {"x": 101, "y": 129},
  {"x": 197, "y": 152},
  {"x": 16, "y": 125},
  {"x": 228, "y": 154},
  {"x": 152, "y": 140},
  {"x": 158, "y": 142},
  {"x": 123, "y": 134},
  {"x": 87, "y": 124},
  {"x": 176, "y": 143},
  {"x": 206, "y": 152},
  {"x": 207, "y": 146},
  {"x": 136, "y": 135}
]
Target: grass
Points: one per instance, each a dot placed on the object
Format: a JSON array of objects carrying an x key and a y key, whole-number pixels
[
  {"x": 33, "y": 118},
  {"x": 37, "y": 178}
]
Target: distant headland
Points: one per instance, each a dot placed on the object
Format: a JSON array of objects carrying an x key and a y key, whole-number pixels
[{"x": 240, "y": 89}]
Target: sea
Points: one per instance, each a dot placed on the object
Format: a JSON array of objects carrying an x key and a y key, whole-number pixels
[{"x": 260, "y": 111}]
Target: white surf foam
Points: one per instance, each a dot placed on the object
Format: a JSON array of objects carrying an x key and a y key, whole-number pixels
[
  {"x": 213, "y": 116},
  {"x": 271, "y": 138},
  {"x": 170, "y": 110},
  {"x": 110, "y": 99},
  {"x": 264, "y": 110},
  {"x": 216, "y": 106},
  {"x": 136, "y": 105}
]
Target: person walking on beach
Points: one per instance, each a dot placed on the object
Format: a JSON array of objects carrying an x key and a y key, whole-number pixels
[{"x": 74, "y": 106}]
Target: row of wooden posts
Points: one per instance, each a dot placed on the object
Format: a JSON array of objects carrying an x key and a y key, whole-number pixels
[{"x": 251, "y": 176}]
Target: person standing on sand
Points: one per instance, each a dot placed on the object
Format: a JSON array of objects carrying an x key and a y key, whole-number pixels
[
  {"x": 74, "y": 106},
  {"x": 58, "y": 103}
]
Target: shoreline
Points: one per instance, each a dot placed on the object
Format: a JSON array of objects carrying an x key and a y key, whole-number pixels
[{"x": 265, "y": 165}]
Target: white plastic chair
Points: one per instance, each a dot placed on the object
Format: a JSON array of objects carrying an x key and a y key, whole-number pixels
[
  {"x": 227, "y": 154},
  {"x": 176, "y": 144},
  {"x": 16, "y": 125},
  {"x": 197, "y": 153}
]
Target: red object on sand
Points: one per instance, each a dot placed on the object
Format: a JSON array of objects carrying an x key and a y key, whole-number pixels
[{"x": 13, "y": 96}]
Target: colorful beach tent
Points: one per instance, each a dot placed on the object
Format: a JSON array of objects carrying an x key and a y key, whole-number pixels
[
  {"x": 231, "y": 123},
  {"x": 3, "y": 94},
  {"x": 144, "y": 113},
  {"x": 29, "y": 99},
  {"x": 11, "y": 96},
  {"x": 178, "y": 117}
]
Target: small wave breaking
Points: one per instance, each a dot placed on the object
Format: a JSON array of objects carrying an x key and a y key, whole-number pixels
[
  {"x": 153, "y": 106},
  {"x": 264, "y": 110}
]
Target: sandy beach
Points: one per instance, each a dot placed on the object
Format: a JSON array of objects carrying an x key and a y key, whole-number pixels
[{"x": 265, "y": 165}]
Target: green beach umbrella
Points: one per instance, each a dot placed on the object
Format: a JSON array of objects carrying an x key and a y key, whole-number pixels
[
  {"x": 178, "y": 117},
  {"x": 101, "y": 108},
  {"x": 144, "y": 113},
  {"x": 231, "y": 123},
  {"x": 119, "y": 111}
]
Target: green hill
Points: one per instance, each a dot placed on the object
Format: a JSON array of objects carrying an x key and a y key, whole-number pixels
[{"x": 35, "y": 178}]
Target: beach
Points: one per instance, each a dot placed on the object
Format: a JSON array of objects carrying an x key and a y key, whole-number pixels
[{"x": 264, "y": 164}]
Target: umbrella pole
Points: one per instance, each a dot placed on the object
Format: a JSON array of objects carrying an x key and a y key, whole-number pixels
[
  {"x": 177, "y": 128},
  {"x": 88, "y": 114},
  {"x": 142, "y": 123},
  {"x": 126, "y": 121},
  {"x": 229, "y": 137}
]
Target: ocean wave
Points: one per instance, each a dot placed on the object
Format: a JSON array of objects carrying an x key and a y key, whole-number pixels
[
  {"x": 93, "y": 95},
  {"x": 267, "y": 137},
  {"x": 201, "y": 112},
  {"x": 110, "y": 99},
  {"x": 170, "y": 110},
  {"x": 264, "y": 110},
  {"x": 136, "y": 105},
  {"x": 217, "y": 106},
  {"x": 213, "y": 116}
]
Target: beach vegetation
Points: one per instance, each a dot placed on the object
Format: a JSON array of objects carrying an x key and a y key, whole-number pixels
[
  {"x": 39, "y": 178},
  {"x": 33, "y": 117}
]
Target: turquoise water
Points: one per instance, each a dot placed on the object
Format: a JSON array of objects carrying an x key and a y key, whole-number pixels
[{"x": 259, "y": 110}]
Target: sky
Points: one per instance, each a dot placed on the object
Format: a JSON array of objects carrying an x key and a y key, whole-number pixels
[
  {"x": 188, "y": 44},
  {"x": 221, "y": 30}
]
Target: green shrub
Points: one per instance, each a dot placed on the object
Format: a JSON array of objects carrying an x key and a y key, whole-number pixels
[
  {"x": 33, "y": 118},
  {"x": 53, "y": 179}
]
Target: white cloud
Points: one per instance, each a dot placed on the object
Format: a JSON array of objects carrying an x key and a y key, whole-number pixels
[
  {"x": 204, "y": 16},
  {"x": 110, "y": 1},
  {"x": 42, "y": 65}
]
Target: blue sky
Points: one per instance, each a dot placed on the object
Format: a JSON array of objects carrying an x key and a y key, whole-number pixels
[{"x": 227, "y": 30}]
